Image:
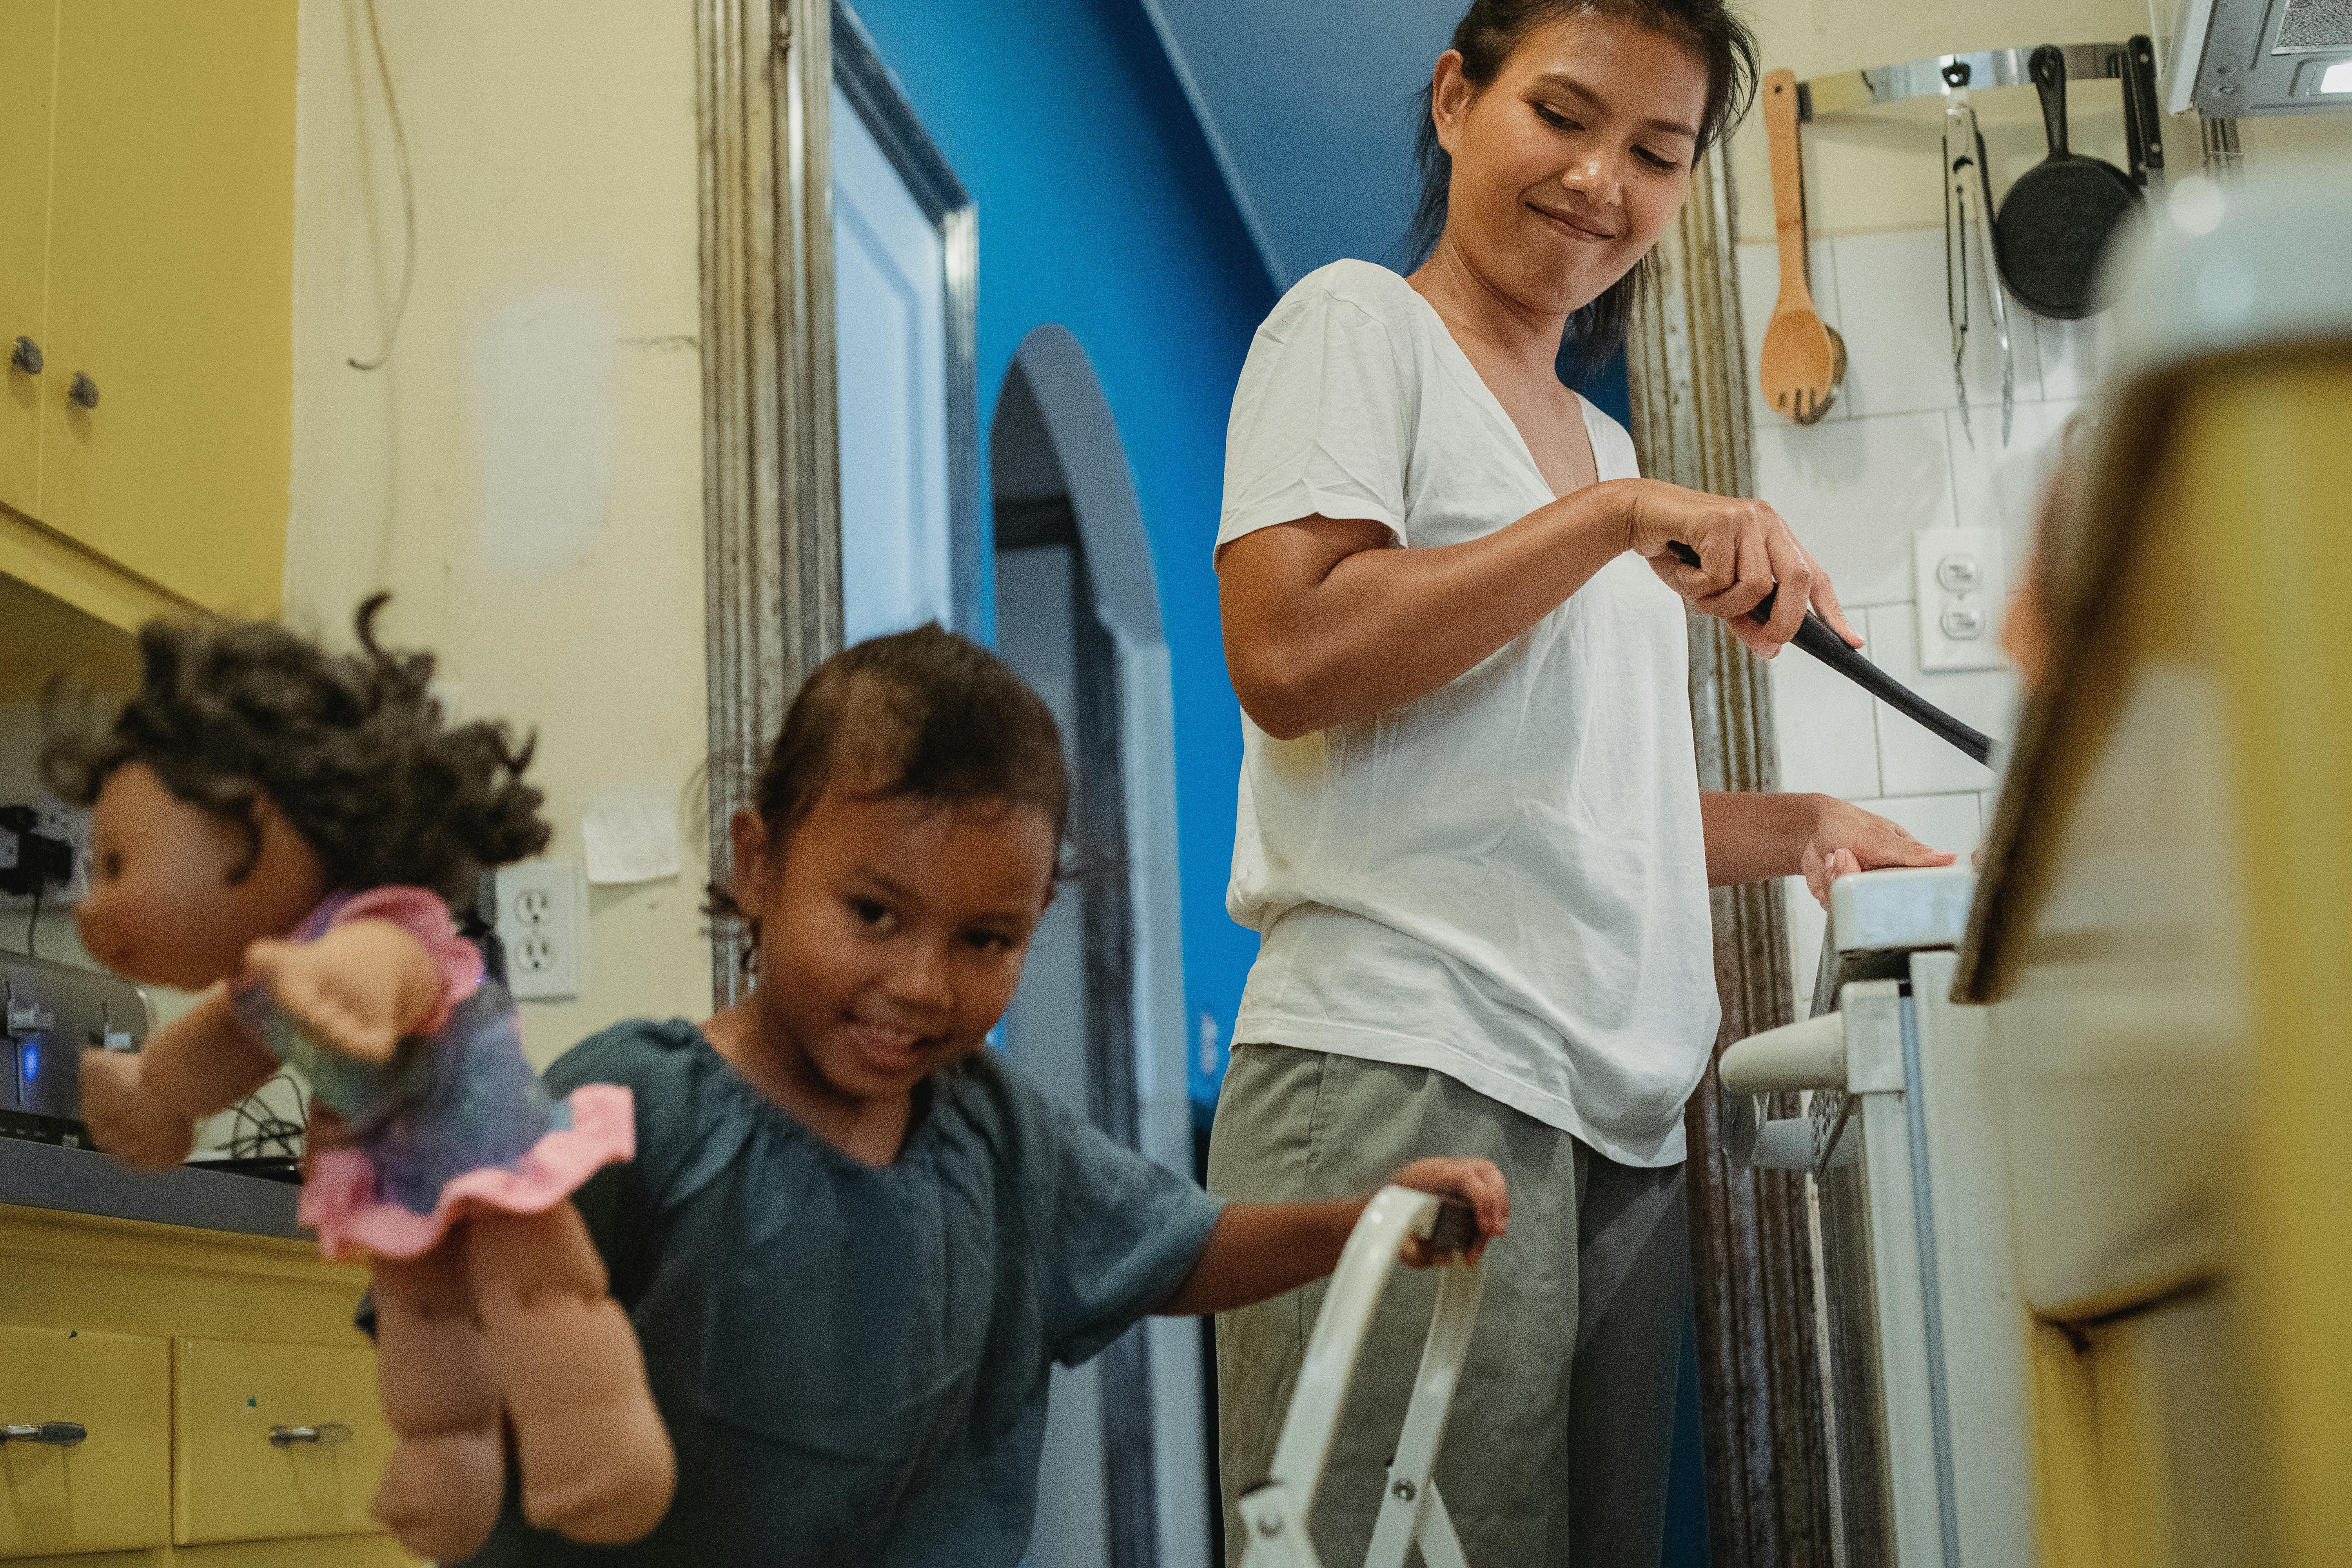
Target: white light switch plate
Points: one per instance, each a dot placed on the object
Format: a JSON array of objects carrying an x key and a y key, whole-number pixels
[
  {"x": 541, "y": 929},
  {"x": 1960, "y": 587}
]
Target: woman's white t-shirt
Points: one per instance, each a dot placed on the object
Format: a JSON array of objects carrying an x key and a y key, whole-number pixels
[{"x": 1504, "y": 880}]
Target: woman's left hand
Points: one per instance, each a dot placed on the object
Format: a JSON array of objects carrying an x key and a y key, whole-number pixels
[{"x": 1844, "y": 838}]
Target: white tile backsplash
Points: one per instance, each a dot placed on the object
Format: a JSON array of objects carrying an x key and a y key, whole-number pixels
[
  {"x": 1828, "y": 741},
  {"x": 1894, "y": 458},
  {"x": 1855, "y": 490},
  {"x": 2001, "y": 486},
  {"x": 1895, "y": 314},
  {"x": 1911, "y": 760},
  {"x": 1759, "y": 290},
  {"x": 2073, "y": 355}
]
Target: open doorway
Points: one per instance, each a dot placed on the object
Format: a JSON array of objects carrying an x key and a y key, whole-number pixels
[{"x": 1098, "y": 1021}]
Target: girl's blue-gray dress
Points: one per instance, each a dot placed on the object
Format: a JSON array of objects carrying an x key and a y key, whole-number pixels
[{"x": 852, "y": 1359}]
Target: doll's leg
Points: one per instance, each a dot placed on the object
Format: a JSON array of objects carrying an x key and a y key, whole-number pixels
[
  {"x": 143, "y": 1109},
  {"x": 441, "y": 1487},
  {"x": 596, "y": 1460}
]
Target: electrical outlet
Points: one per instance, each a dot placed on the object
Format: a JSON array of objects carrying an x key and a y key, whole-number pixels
[
  {"x": 1959, "y": 589},
  {"x": 71, "y": 823},
  {"x": 541, "y": 924},
  {"x": 68, "y": 825}
]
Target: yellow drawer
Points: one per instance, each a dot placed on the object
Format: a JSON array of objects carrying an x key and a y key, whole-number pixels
[
  {"x": 106, "y": 1492},
  {"x": 231, "y": 1482},
  {"x": 318, "y": 1552}
]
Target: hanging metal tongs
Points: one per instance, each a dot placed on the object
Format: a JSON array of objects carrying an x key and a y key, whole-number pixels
[{"x": 1968, "y": 194}]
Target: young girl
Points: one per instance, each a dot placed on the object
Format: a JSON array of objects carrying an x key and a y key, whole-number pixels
[{"x": 853, "y": 1241}]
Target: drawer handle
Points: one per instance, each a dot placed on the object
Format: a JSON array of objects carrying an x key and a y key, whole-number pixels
[
  {"x": 26, "y": 356},
  {"x": 55, "y": 1434},
  {"x": 81, "y": 392},
  {"x": 326, "y": 1436}
]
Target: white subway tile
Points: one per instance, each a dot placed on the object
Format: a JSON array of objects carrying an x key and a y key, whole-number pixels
[
  {"x": 1828, "y": 741},
  {"x": 2001, "y": 487},
  {"x": 1855, "y": 490},
  {"x": 1896, "y": 322},
  {"x": 1952, "y": 822},
  {"x": 1982, "y": 361},
  {"x": 1759, "y": 288},
  {"x": 2073, "y": 355},
  {"x": 1913, "y": 760}
]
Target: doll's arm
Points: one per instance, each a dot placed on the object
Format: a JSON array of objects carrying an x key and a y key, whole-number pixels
[
  {"x": 357, "y": 990},
  {"x": 1260, "y": 1250},
  {"x": 144, "y": 1108}
]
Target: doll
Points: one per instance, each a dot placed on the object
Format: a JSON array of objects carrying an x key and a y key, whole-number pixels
[{"x": 283, "y": 827}]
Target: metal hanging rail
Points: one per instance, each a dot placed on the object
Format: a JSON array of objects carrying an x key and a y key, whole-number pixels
[{"x": 1847, "y": 90}]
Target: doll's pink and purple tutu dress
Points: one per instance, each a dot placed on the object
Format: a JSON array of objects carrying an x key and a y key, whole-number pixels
[{"x": 456, "y": 1121}]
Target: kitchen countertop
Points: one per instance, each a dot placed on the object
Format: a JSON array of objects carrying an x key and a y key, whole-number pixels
[{"x": 82, "y": 1181}]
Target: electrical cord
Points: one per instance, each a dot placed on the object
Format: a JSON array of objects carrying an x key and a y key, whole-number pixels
[
  {"x": 33, "y": 926},
  {"x": 407, "y": 201},
  {"x": 267, "y": 1126}
]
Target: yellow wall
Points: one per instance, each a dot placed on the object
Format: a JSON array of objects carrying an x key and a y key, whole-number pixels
[
  {"x": 1879, "y": 169},
  {"x": 525, "y": 474}
]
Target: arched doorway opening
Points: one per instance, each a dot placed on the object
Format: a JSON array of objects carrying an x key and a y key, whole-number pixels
[{"x": 1099, "y": 1019}]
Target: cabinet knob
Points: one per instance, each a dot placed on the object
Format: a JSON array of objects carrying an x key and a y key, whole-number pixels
[
  {"x": 55, "y": 1434},
  {"x": 81, "y": 392},
  {"x": 326, "y": 1436},
  {"x": 26, "y": 356}
]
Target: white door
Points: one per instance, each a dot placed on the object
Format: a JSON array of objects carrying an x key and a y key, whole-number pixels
[{"x": 889, "y": 283}]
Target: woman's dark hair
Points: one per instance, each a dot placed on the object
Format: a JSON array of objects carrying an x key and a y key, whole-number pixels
[
  {"x": 1485, "y": 38},
  {"x": 349, "y": 747},
  {"x": 924, "y": 714}
]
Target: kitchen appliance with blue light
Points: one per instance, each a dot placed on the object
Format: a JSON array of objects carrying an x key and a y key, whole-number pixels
[{"x": 54, "y": 1011}]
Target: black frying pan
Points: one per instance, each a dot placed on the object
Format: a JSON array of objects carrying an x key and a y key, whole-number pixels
[
  {"x": 2057, "y": 219},
  {"x": 1813, "y": 635}
]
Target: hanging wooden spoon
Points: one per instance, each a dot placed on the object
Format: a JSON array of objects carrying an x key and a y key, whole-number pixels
[{"x": 1804, "y": 358}]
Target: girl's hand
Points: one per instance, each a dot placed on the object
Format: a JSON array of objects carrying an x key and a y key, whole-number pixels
[
  {"x": 1844, "y": 839},
  {"x": 1474, "y": 1181},
  {"x": 1746, "y": 550}
]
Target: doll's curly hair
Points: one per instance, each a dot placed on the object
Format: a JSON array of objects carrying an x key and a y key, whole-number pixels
[{"x": 349, "y": 747}]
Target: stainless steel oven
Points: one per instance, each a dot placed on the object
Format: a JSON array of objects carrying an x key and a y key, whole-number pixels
[{"x": 1922, "y": 1327}]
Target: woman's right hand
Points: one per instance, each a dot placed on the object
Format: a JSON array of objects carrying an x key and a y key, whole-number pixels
[{"x": 1744, "y": 549}]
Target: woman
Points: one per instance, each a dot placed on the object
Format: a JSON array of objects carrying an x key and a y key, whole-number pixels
[{"x": 1470, "y": 832}]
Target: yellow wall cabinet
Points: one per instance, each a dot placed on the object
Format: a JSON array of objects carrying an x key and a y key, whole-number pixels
[
  {"x": 229, "y": 1406},
  {"x": 146, "y": 300}
]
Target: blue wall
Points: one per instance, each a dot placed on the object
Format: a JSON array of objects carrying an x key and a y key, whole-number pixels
[{"x": 1101, "y": 208}]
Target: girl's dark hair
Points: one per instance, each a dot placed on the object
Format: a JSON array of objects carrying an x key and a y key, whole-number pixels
[
  {"x": 1485, "y": 38},
  {"x": 349, "y": 747},
  {"x": 924, "y": 714}
]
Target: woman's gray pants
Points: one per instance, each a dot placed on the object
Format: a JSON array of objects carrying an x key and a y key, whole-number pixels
[{"x": 1557, "y": 1450}]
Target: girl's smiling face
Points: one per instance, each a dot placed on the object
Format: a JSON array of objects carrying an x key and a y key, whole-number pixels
[
  {"x": 891, "y": 937},
  {"x": 1569, "y": 165}
]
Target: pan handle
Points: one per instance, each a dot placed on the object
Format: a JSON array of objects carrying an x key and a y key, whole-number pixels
[
  {"x": 1815, "y": 635},
  {"x": 2048, "y": 68},
  {"x": 2139, "y": 91}
]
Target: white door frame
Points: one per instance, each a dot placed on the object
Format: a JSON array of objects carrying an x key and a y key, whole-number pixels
[
  {"x": 764, "y": 74},
  {"x": 1118, "y": 556}
]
